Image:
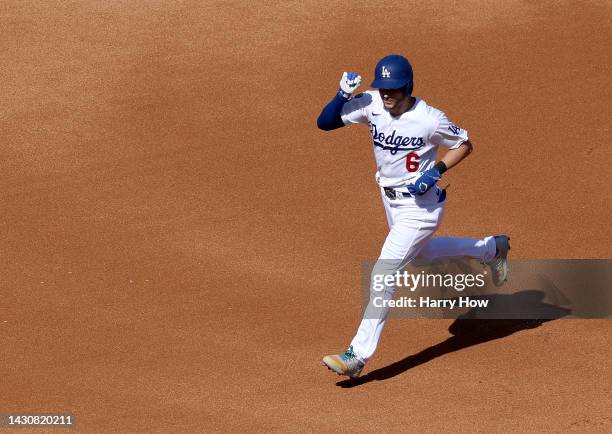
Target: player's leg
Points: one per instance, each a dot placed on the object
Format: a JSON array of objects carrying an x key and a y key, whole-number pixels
[
  {"x": 491, "y": 250},
  {"x": 411, "y": 227},
  {"x": 448, "y": 247},
  {"x": 350, "y": 363},
  {"x": 411, "y": 230}
]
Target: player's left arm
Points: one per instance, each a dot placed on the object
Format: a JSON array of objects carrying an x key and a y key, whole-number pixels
[
  {"x": 454, "y": 156},
  {"x": 429, "y": 178},
  {"x": 450, "y": 136}
]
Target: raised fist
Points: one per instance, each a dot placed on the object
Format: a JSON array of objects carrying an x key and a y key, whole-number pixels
[{"x": 348, "y": 83}]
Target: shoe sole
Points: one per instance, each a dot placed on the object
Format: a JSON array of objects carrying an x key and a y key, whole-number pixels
[
  {"x": 505, "y": 273},
  {"x": 338, "y": 370},
  {"x": 332, "y": 370},
  {"x": 505, "y": 259},
  {"x": 333, "y": 367}
]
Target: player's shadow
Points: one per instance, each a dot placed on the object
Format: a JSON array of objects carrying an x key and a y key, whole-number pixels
[{"x": 522, "y": 310}]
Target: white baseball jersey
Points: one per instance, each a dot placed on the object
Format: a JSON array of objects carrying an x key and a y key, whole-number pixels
[{"x": 404, "y": 145}]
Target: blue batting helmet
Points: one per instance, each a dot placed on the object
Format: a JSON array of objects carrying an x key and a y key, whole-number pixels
[{"x": 392, "y": 72}]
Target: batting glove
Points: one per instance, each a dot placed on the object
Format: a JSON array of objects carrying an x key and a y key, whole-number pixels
[
  {"x": 348, "y": 83},
  {"x": 424, "y": 182}
]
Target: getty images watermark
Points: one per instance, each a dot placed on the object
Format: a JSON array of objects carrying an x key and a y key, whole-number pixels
[
  {"x": 536, "y": 289},
  {"x": 385, "y": 283}
]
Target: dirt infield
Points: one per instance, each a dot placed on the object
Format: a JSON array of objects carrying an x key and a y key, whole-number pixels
[{"x": 181, "y": 245}]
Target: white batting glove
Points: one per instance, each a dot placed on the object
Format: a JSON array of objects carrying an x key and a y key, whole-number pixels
[{"x": 348, "y": 83}]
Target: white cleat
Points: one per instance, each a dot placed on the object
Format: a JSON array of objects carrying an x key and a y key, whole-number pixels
[
  {"x": 344, "y": 364},
  {"x": 499, "y": 263}
]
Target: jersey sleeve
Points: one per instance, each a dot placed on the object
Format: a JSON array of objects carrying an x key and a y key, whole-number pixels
[
  {"x": 355, "y": 111},
  {"x": 446, "y": 133}
]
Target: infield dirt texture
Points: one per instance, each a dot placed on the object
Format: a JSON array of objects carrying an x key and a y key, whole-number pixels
[{"x": 180, "y": 245}]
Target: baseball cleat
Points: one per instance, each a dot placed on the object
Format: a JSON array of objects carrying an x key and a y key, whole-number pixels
[
  {"x": 344, "y": 364},
  {"x": 499, "y": 263}
]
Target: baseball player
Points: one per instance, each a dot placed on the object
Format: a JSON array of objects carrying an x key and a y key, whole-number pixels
[{"x": 406, "y": 133}]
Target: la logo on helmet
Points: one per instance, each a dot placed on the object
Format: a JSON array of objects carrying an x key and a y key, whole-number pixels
[{"x": 385, "y": 72}]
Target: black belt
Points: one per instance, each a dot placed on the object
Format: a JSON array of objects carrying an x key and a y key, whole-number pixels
[{"x": 393, "y": 194}]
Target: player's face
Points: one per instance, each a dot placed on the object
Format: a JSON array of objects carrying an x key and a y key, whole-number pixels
[{"x": 391, "y": 97}]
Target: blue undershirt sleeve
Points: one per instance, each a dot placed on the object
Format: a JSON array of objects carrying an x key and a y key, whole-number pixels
[{"x": 330, "y": 118}]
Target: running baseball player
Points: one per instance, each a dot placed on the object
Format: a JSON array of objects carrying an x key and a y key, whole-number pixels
[{"x": 406, "y": 133}]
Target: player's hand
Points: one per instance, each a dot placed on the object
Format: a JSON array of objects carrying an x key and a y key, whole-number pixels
[
  {"x": 424, "y": 182},
  {"x": 348, "y": 83}
]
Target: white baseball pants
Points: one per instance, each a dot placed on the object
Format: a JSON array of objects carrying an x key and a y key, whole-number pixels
[{"x": 412, "y": 223}]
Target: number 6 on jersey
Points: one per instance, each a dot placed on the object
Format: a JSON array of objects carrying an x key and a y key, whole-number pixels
[{"x": 412, "y": 162}]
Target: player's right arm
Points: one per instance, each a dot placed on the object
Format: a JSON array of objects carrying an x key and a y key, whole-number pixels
[{"x": 331, "y": 116}]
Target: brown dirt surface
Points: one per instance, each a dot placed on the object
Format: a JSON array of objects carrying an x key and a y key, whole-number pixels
[{"x": 181, "y": 245}]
